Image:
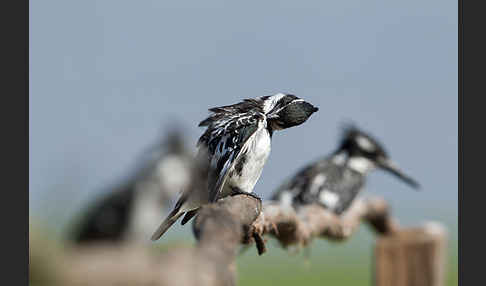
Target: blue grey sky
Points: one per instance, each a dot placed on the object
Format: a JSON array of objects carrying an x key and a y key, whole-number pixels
[{"x": 105, "y": 76}]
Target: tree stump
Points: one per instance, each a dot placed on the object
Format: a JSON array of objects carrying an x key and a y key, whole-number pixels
[{"x": 412, "y": 257}]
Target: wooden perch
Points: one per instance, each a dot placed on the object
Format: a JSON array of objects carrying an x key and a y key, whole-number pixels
[
  {"x": 412, "y": 257},
  {"x": 220, "y": 228},
  {"x": 299, "y": 227}
]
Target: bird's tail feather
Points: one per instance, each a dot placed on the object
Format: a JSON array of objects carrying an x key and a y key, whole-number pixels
[
  {"x": 188, "y": 216},
  {"x": 164, "y": 226}
]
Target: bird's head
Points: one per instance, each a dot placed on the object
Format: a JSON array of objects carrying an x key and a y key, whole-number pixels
[
  {"x": 286, "y": 110},
  {"x": 364, "y": 151}
]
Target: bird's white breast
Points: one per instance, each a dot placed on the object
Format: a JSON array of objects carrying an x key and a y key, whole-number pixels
[
  {"x": 259, "y": 146},
  {"x": 173, "y": 175},
  {"x": 153, "y": 195},
  {"x": 147, "y": 212}
]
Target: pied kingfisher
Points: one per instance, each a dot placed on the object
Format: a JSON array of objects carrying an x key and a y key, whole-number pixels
[
  {"x": 335, "y": 180},
  {"x": 236, "y": 145}
]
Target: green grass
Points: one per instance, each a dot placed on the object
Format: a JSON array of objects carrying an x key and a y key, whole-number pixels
[
  {"x": 348, "y": 263},
  {"x": 345, "y": 270}
]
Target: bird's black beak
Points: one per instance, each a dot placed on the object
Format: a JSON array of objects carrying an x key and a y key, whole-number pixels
[
  {"x": 314, "y": 108},
  {"x": 389, "y": 166}
]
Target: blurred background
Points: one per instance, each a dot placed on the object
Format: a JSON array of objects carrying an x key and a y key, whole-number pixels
[{"x": 107, "y": 78}]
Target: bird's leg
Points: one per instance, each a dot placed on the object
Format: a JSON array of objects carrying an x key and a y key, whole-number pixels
[{"x": 259, "y": 242}]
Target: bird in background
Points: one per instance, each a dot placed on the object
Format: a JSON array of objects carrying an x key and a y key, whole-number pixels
[
  {"x": 235, "y": 147},
  {"x": 131, "y": 211},
  {"x": 335, "y": 180}
]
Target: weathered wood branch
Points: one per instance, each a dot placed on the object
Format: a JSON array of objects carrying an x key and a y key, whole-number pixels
[
  {"x": 301, "y": 226},
  {"x": 220, "y": 228}
]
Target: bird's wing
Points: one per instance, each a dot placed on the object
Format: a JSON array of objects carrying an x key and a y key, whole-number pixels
[
  {"x": 226, "y": 143},
  {"x": 323, "y": 182},
  {"x": 345, "y": 188},
  {"x": 299, "y": 182},
  {"x": 332, "y": 186}
]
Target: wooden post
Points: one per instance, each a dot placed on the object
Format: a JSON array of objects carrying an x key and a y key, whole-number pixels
[{"x": 412, "y": 257}]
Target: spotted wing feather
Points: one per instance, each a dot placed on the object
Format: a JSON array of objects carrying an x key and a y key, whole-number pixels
[
  {"x": 229, "y": 129},
  {"x": 331, "y": 185}
]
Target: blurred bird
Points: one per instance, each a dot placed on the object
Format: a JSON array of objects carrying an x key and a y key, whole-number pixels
[
  {"x": 335, "y": 180},
  {"x": 132, "y": 211},
  {"x": 235, "y": 146}
]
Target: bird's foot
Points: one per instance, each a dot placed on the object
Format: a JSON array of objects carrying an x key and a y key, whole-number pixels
[{"x": 239, "y": 192}]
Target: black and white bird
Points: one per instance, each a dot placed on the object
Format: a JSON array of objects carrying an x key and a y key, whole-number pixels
[
  {"x": 335, "y": 180},
  {"x": 132, "y": 210},
  {"x": 235, "y": 146}
]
